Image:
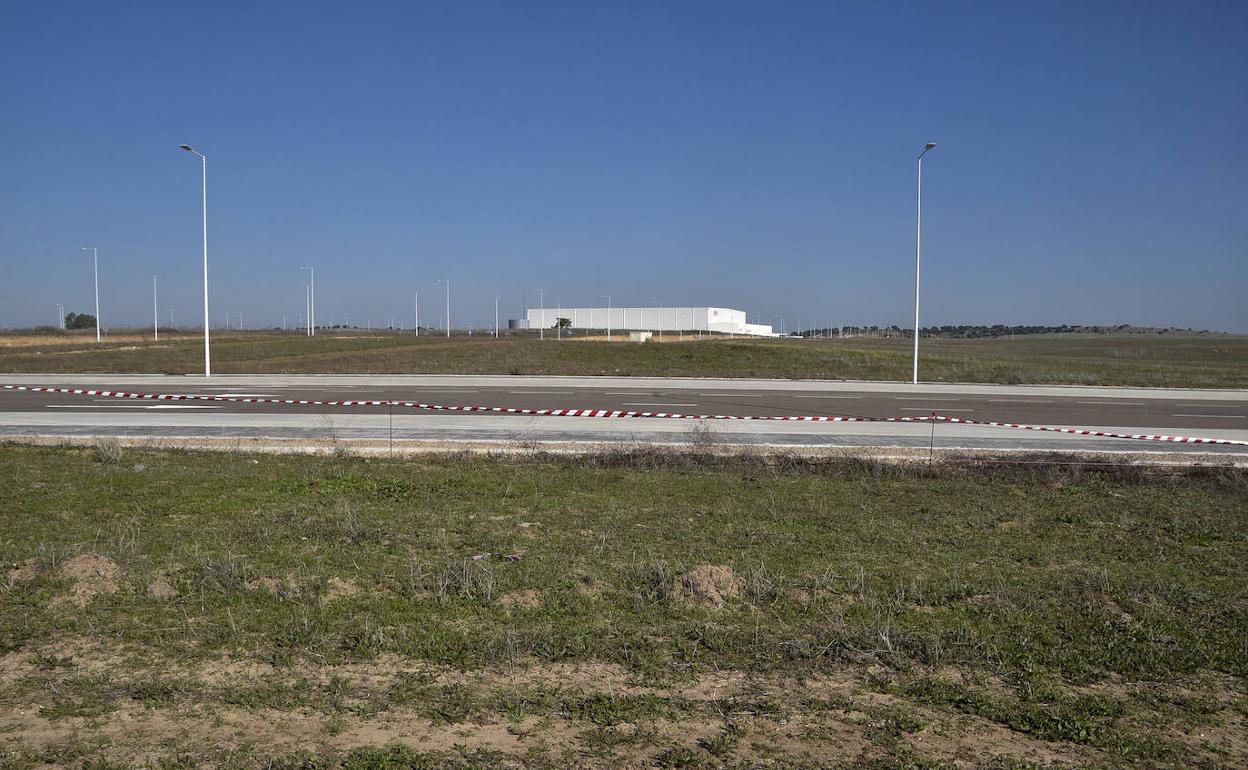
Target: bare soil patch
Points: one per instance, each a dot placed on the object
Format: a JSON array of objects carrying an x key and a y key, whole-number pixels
[
  {"x": 709, "y": 585},
  {"x": 92, "y": 575}
]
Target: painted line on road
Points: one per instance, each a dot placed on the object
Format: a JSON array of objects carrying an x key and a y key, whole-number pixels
[
  {"x": 1213, "y": 406},
  {"x": 648, "y": 403},
  {"x": 924, "y": 398},
  {"x": 128, "y": 406},
  {"x": 921, "y": 409},
  {"x": 1016, "y": 401},
  {"x": 1111, "y": 403},
  {"x": 733, "y": 395},
  {"x": 1215, "y": 416},
  {"x": 248, "y": 395},
  {"x": 827, "y": 397},
  {"x": 543, "y": 392}
]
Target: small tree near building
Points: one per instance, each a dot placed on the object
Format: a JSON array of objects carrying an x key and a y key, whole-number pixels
[{"x": 79, "y": 321}]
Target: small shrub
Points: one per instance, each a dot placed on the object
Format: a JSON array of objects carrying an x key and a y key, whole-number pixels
[{"x": 108, "y": 452}]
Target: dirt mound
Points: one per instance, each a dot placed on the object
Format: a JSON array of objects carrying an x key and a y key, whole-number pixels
[
  {"x": 269, "y": 585},
  {"x": 92, "y": 575},
  {"x": 161, "y": 590},
  {"x": 708, "y": 584},
  {"x": 21, "y": 573},
  {"x": 337, "y": 588},
  {"x": 527, "y": 599}
]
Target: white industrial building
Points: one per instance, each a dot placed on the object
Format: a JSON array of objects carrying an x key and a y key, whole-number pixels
[{"x": 667, "y": 319}]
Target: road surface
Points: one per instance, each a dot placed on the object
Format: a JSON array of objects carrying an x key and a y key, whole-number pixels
[{"x": 1213, "y": 414}]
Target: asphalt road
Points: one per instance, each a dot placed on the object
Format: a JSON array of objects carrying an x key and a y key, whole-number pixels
[{"x": 1214, "y": 414}]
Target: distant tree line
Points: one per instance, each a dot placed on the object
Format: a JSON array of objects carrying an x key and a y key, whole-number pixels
[{"x": 977, "y": 331}]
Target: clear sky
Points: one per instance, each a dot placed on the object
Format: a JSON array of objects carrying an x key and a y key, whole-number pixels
[{"x": 1092, "y": 164}]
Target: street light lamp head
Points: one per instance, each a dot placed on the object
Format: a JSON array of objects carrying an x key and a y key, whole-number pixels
[
  {"x": 186, "y": 147},
  {"x": 929, "y": 145}
]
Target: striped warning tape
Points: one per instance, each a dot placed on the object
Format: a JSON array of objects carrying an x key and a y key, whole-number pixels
[
  {"x": 609, "y": 413},
  {"x": 453, "y": 408},
  {"x": 1100, "y": 433}
]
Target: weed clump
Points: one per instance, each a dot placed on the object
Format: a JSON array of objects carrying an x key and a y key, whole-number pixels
[
  {"x": 709, "y": 585},
  {"x": 108, "y": 452}
]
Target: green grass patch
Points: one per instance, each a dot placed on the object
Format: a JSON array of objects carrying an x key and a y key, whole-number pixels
[{"x": 1103, "y": 611}]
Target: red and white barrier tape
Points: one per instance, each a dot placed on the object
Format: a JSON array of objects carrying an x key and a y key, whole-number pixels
[
  {"x": 615, "y": 413},
  {"x": 447, "y": 408},
  {"x": 1100, "y": 433}
]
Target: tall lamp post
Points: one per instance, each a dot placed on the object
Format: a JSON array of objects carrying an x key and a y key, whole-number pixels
[
  {"x": 918, "y": 242},
  {"x": 447, "y": 281},
  {"x": 608, "y": 298},
  {"x": 416, "y": 302},
  {"x": 60, "y": 316},
  {"x": 203, "y": 164},
  {"x": 95, "y": 261},
  {"x": 311, "y": 300},
  {"x": 155, "y": 313},
  {"x": 541, "y": 305}
]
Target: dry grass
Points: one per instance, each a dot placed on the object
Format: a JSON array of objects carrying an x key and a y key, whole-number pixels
[{"x": 1150, "y": 360}]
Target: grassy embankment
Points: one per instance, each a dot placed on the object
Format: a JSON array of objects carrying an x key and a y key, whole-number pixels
[
  {"x": 690, "y": 611},
  {"x": 1202, "y": 361}
]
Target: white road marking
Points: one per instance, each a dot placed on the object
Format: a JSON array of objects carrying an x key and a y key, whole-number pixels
[
  {"x": 1232, "y": 416},
  {"x": 733, "y": 395},
  {"x": 1213, "y": 406},
  {"x": 626, "y": 393},
  {"x": 130, "y": 406},
  {"x": 925, "y": 398},
  {"x": 937, "y": 409},
  {"x": 543, "y": 392},
  {"x": 648, "y": 403},
  {"x": 1016, "y": 401},
  {"x": 827, "y": 397},
  {"x": 244, "y": 395},
  {"x": 439, "y": 390},
  {"x": 1111, "y": 403}
]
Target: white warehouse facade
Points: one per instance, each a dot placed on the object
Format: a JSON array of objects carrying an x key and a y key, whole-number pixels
[{"x": 667, "y": 319}]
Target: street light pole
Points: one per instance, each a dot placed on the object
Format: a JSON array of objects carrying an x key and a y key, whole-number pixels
[
  {"x": 608, "y": 297},
  {"x": 60, "y": 316},
  {"x": 311, "y": 300},
  {"x": 496, "y": 318},
  {"x": 95, "y": 261},
  {"x": 918, "y": 242},
  {"x": 541, "y": 305},
  {"x": 307, "y": 316},
  {"x": 203, "y": 165},
  {"x": 447, "y": 281},
  {"x": 155, "y": 313},
  {"x": 417, "y": 302}
]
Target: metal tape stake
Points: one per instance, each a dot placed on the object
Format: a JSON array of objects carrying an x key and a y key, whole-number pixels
[{"x": 931, "y": 446}]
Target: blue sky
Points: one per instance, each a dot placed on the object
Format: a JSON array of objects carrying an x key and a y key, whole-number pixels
[{"x": 1091, "y": 163}]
